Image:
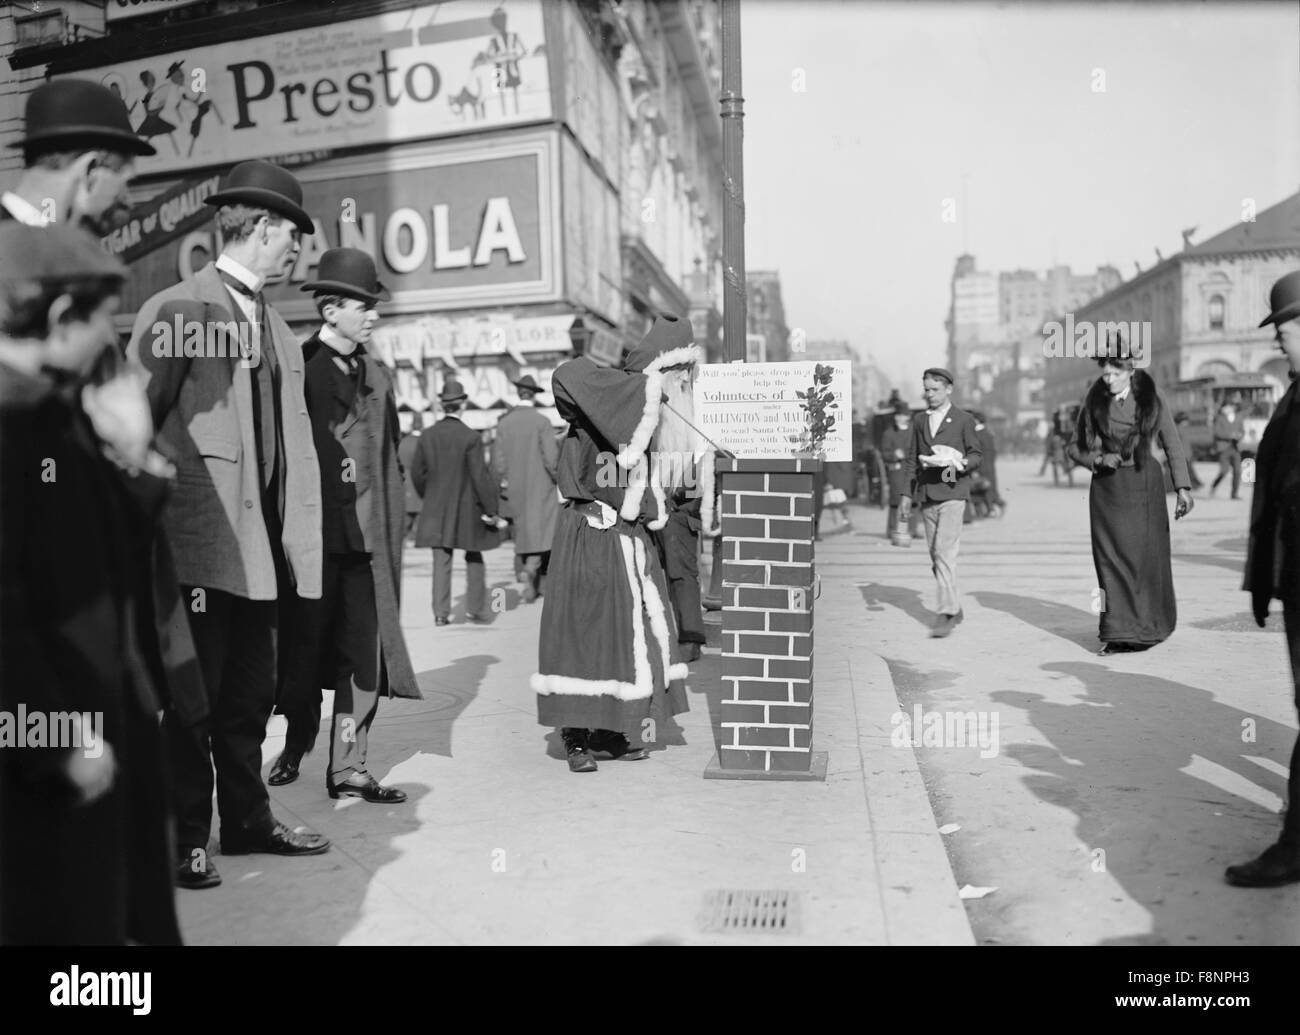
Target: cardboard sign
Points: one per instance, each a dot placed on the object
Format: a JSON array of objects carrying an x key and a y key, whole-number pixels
[{"x": 768, "y": 410}]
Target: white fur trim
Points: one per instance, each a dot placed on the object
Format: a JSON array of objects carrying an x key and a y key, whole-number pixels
[
  {"x": 636, "y": 482},
  {"x": 544, "y": 685},
  {"x": 676, "y": 672},
  {"x": 654, "y": 607},
  {"x": 706, "y": 479},
  {"x": 654, "y": 386},
  {"x": 676, "y": 358},
  {"x": 640, "y": 650}
]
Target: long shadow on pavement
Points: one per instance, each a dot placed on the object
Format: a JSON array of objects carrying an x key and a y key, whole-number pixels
[
  {"x": 1069, "y": 623},
  {"x": 1156, "y": 772}
]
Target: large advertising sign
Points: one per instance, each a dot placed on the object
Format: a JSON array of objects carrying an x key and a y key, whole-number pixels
[
  {"x": 426, "y": 71},
  {"x": 120, "y": 10}
]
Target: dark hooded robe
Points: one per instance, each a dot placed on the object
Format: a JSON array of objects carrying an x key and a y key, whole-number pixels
[{"x": 608, "y": 652}]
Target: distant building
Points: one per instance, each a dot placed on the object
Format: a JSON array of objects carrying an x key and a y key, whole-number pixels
[
  {"x": 1203, "y": 306},
  {"x": 765, "y": 313},
  {"x": 870, "y": 384}
]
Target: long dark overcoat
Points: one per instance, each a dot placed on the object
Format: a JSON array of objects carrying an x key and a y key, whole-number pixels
[
  {"x": 452, "y": 478},
  {"x": 1273, "y": 551},
  {"x": 525, "y": 458}
]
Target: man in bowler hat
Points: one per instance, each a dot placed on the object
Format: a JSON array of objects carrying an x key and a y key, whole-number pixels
[
  {"x": 351, "y": 639},
  {"x": 941, "y": 485},
  {"x": 245, "y": 521},
  {"x": 525, "y": 458},
  {"x": 78, "y": 154},
  {"x": 460, "y": 505},
  {"x": 894, "y": 444},
  {"x": 1273, "y": 567},
  {"x": 88, "y": 622}
]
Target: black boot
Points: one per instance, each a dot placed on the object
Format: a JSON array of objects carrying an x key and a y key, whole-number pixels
[
  {"x": 575, "y": 746},
  {"x": 616, "y": 745}
]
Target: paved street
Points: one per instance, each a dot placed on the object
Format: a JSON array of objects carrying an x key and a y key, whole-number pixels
[{"x": 1124, "y": 785}]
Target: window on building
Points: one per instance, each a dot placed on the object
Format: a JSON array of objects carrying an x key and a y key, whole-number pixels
[{"x": 1216, "y": 312}]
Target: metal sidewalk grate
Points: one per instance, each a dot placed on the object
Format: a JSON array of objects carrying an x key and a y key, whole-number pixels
[{"x": 734, "y": 911}]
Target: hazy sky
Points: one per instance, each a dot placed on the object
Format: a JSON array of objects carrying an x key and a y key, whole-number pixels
[{"x": 845, "y": 180}]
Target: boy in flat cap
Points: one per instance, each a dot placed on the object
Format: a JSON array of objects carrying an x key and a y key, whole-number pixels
[
  {"x": 351, "y": 639},
  {"x": 245, "y": 521},
  {"x": 86, "y": 627},
  {"x": 944, "y": 450},
  {"x": 79, "y": 154}
]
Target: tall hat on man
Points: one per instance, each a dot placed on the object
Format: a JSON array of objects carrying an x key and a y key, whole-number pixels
[
  {"x": 349, "y": 272},
  {"x": 1283, "y": 300},
  {"x": 264, "y": 185},
  {"x": 670, "y": 342},
  {"x": 68, "y": 114}
]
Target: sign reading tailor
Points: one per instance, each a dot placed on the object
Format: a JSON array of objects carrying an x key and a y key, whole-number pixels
[
  {"x": 427, "y": 71},
  {"x": 777, "y": 409}
]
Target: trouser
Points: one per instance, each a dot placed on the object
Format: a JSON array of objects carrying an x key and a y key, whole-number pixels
[
  {"x": 1229, "y": 460},
  {"x": 235, "y": 640},
  {"x": 530, "y": 568},
  {"x": 336, "y": 639},
  {"x": 475, "y": 582},
  {"x": 678, "y": 546},
  {"x": 943, "y": 521},
  {"x": 1291, "y": 822}
]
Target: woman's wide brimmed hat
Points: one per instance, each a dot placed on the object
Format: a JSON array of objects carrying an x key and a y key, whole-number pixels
[
  {"x": 71, "y": 113},
  {"x": 1283, "y": 300},
  {"x": 267, "y": 186},
  {"x": 349, "y": 272}
]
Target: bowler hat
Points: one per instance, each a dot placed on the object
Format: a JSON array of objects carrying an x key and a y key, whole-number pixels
[
  {"x": 54, "y": 252},
  {"x": 452, "y": 391},
  {"x": 349, "y": 272},
  {"x": 1283, "y": 300},
  {"x": 70, "y": 113},
  {"x": 901, "y": 407},
  {"x": 266, "y": 186},
  {"x": 938, "y": 372},
  {"x": 527, "y": 384}
]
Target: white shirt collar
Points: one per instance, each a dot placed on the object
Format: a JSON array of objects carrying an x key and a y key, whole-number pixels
[
  {"x": 942, "y": 410},
  {"x": 1124, "y": 394},
  {"x": 343, "y": 346},
  {"x": 240, "y": 272},
  {"x": 23, "y": 210}
]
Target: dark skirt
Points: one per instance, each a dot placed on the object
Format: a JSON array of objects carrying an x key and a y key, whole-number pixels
[
  {"x": 1130, "y": 550},
  {"x": 608, "y": 651}
]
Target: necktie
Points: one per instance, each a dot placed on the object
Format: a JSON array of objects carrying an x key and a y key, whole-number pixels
[{"x": 264, "y": 382}]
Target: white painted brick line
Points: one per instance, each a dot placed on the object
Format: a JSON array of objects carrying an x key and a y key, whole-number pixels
[{"x": 791, "y": 726}]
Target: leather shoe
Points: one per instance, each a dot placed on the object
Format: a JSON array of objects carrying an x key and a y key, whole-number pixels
[
  {"x": 195, "y": 871},
  {"x": 441, "y": 621},
  {"x": 616, "y": 745},
  {"x": 372, "y": 790},
  {"x": 1280, "y": 864},
  {"x": 580, "y": 761},
  {"x": 691, "y": 651},
  {"x": 943, "y": 626},
  {"x": 475, "y": 619},
  {"x": 285, "y": 769},
  {"x": 278, "y": 840}
]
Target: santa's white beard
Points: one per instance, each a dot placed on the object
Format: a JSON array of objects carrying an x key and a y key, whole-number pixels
[{"x": 675, "y": 441}]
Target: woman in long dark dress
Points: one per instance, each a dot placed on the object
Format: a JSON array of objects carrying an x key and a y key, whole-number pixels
[{"x": 1121, "y": 418}]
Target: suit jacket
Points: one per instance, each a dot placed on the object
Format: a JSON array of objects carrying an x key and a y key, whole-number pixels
[
  {"x": 1273, "y": 549},
  {"x": 369, "y": 500},
  {"x": 203, "y": 409},
  {"x": 957, "y": 431},
  {"x": 525, "y": 459},
  {"x": 1227, "y": 433},
  {"x": 452, "y": 477},
  {"x": 406, "y": 457}
]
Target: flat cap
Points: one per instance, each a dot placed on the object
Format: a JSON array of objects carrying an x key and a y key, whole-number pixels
[
  {"x": 939, "y": 372},
  {"x": 54, "y": 252}
]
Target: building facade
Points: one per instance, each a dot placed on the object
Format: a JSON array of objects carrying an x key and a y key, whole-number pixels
[
  {"x": 533, "y": 179},
  {"x": 871, "y": 386},
  {"x": 765, "y": 314},
  {"x": 1203, "y": 306}
]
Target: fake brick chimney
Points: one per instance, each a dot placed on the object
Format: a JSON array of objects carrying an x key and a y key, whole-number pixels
[{"x": 767, "y": 621}]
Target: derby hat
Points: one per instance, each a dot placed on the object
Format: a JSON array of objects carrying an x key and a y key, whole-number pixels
[
  {"x": 901, "y": 407},
  {"x": 70, "y": 113},
  {"x": 527, "y": 384},
  {"x": 452, "y": 391},
  {"x": 264, "y": 185},
  {"x": 349, "y": 272},
  {"x": 54, "y": 252},
  {"x": 1283, "y": 300}
]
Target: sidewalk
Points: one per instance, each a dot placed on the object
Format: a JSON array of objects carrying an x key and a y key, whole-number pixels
[{"x": 500, "y": 843}]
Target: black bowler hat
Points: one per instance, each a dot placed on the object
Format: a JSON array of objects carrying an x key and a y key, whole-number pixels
[
  {"x": 938, "y": 372},
  {"x": 527, "y": 384},
  {"x": 1283, "y": 300},
  {"x": 349, "y": 272},
  {"x": 452, "y": 391},
  {"x": 901, "y": 407},
  {"x": 70, "y": 113},
  {"x": 266, "y": 186}
]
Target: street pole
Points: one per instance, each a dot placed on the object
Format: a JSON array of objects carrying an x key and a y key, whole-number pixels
[{"x": 733, "y": 181}]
